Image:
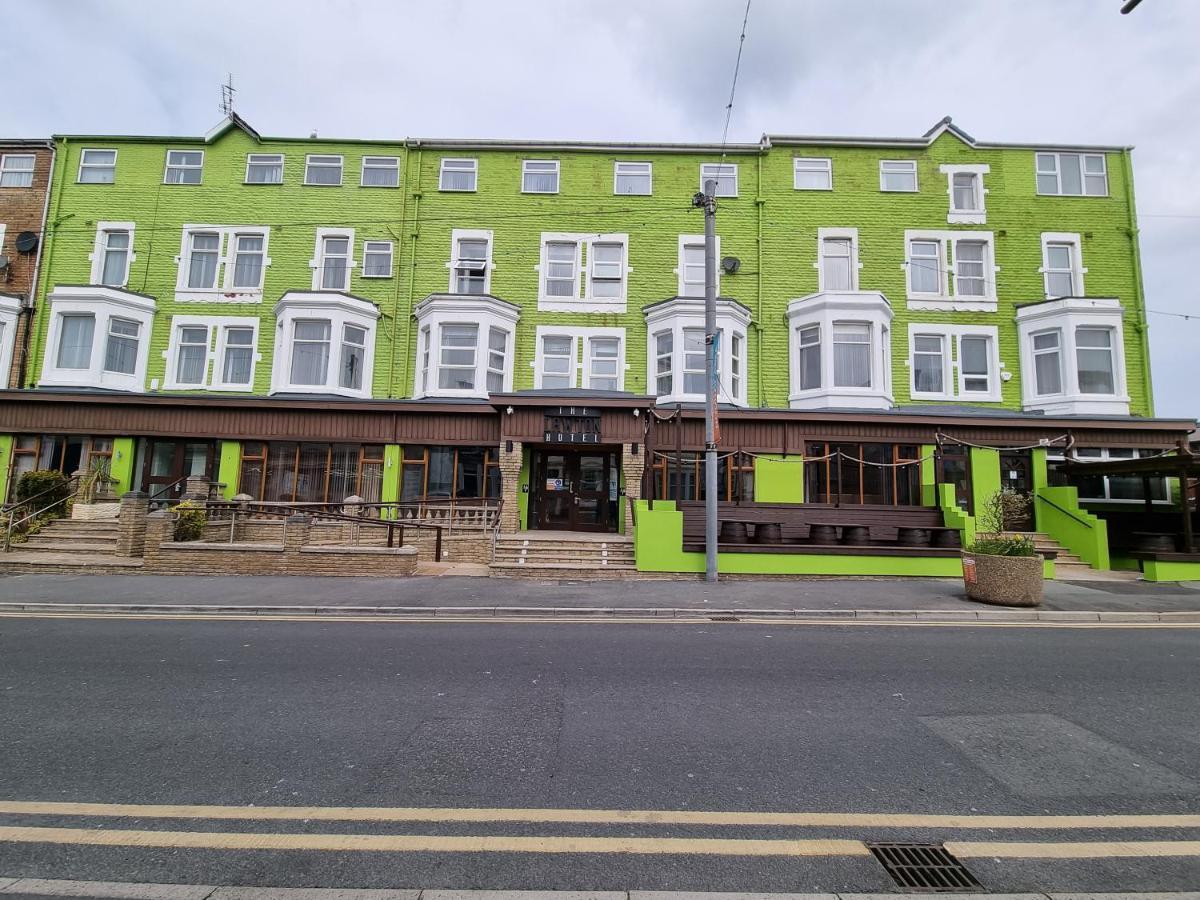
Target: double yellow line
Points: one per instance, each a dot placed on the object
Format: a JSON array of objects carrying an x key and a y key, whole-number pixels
[{"x": 413, "y": 843}]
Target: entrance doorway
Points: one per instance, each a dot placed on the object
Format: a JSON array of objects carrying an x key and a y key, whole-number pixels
[
  {"x": 1016, "y": 475},
  {"x": 574, "y": 490},
  {"x": 168, "y": 464}
]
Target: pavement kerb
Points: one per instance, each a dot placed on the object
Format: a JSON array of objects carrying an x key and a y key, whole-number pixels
[{"x": 1013, "y": 616}]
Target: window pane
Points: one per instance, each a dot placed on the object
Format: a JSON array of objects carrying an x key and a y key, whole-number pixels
[
  {"x": 924, "y": 267},
  {"x": 323, "y": 172},
  {"x": 248, "y": 262},
  {"x": 458, "y": 175},
  {"x": 1047, "y": 372},
  {"x": 202, "y": 267},
  {"x": 264, "y": 169},
  {"x": 851, "y": 355},
  {"x": 193, "y": 355},
  {"x": 928, "y": 364},
  {"x": 310, "y": 352},
  {"x": 75, "y": 341},
  {"x": 970, "y": 279},
  {"x": 973, "y": 363},
  {"x": 1072, "y": 178},
  {"x": 1047, "y": 184},
  {"x": 1094, "y": 353},
  {"x": 810, "y": 358},
  {"x": 380, "y": 174},
  {"x": 540, "y": 177},
  {"x": 120, "y": 354},
  {"x": 1060, "y": 284},
  {"x": 964, "y": 191},
  {"x": 836, "y": 264},
  {"x": 239, "y": 350},
  {"x": 812, "y": 175}
]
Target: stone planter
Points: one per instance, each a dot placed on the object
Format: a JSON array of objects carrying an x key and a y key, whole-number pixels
[{"x": 1003, "y": 580}]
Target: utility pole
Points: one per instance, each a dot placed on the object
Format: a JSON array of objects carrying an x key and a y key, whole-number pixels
[{"x": 707, "y": 199}]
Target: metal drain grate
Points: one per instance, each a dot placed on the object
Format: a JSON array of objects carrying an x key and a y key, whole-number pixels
[
  {"x": 725, "y": 618},
  {"x": 924, "y": 868}
]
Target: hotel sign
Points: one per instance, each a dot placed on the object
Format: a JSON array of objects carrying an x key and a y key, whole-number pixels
[{"x": 572, "y": 425}]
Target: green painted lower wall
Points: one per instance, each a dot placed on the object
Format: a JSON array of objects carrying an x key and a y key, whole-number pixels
[
  {"x": 6, "y": 445},
  {"x": 928, "y": 476},
  {"x": 1124, "y": 564},
  {"x": 523, "y": 490},
  {"x": 393, "y": 467},
  {"x": 124, "y": 454},
  {"x": 1157, "y": 570},
  {"x": 229, "y": 467},
  {"x": 954, "y": 515},
  {"x": 985, "y": 476},
  {"x": 778, "y": 479},
  {"x": 658, "y": 547},
  {"x": 1059, "y": 515}
]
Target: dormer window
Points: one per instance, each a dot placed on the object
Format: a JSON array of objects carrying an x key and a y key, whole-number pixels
[{"x": 966, "y": 190}]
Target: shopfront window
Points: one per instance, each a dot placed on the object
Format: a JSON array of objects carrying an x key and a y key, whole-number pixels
[
  {"x": 863, "y": 473},
  {"x": 680, "y": 476},
  {"x": 289, "y": 472},
  {"x": 445, "y": 473}
]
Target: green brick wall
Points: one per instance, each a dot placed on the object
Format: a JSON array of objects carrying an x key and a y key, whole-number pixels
[{"x": 769, "y": 226}]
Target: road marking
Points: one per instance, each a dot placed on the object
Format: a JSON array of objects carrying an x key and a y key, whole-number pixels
[
  {"x": 591, "y": 620},
  {"x": 421, "y": 843},
  {"x": 594, "y": 816},
  {"x": 1072, "y": 850}
]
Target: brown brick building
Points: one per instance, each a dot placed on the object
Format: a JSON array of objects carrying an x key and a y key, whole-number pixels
[{"x": 25, "y": 167}]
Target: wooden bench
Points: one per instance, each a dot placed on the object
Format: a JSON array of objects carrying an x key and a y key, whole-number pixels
[{"x": 814, "y": 527}]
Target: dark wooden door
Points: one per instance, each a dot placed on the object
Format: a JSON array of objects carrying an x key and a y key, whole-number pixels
[
  {"x": 572, "y": 490},
  {"x": 1016, "y": 475}
]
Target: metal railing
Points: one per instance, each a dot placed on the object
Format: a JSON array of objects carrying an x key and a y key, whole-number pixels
[
  {"x": 247, "y": 511},
  {"x": 19, "y": 511},
  {"x": 156, "y": 497}
]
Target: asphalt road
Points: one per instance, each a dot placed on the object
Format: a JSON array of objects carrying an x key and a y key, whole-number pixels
[{"x": 718, "y": 718}]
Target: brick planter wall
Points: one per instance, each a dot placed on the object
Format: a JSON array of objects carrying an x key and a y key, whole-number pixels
[
  {"x": 131, "y": 524},
  {"x": 462, "y": 546}
]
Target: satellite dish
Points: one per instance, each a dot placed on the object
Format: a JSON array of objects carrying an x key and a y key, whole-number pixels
[
  {"x": 731, "y": 264},
  {"x": 26, "y": 242}
]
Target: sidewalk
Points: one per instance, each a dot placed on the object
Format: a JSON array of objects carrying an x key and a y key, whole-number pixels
[{"x": 455, "y": 591}]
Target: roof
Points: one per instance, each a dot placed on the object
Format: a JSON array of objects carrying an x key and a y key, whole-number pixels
[
  {"x": 1181, "y": 464},
  {"x": 944, "y": 126}
]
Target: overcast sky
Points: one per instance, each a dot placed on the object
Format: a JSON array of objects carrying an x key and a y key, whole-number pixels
[{"x": 1027, "y": 70}]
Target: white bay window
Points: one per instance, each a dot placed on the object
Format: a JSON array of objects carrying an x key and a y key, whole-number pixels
[
  {"x": 840, "y": 351},
  {"x": 324, "y": 344},
  {"x": 98, "y": 337},
  {"x": 1072, "y": 357},
  {"x": 676, "y": 363},
  {"x": 10, "y": 311},
  {"x": 465, "y": 346}
]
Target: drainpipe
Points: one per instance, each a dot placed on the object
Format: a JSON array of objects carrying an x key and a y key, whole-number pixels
[
  {"x": 412, "y": 271},
  {"x": 46, "y": 235},
  {"x": 759, "y": 202},
  {"x": 392, "y": 391},
  {"x": 1140, "y": 323}
]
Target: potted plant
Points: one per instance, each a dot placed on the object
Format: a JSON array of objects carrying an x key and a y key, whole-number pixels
[{"x": 999, "y": 568}]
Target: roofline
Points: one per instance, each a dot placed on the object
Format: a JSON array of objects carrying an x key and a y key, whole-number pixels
[
  {"x": 597, "y": 146},
  {"x": 202, "y": 139},
  {"x": 786, "y": 140},
  {"x": 39, "y": 143}
]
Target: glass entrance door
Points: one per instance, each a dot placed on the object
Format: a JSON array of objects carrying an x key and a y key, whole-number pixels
[
  {"x": 1016, "y": 474},
  {"x": 170, "y": 463},
  {"x": 574, "y": 490}
]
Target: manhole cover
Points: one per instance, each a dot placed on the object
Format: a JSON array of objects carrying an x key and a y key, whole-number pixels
[{"x": 924, "y": 868}]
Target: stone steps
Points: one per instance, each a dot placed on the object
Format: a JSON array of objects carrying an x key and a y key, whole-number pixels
[
  {"x": 564, "y": 555},
  {"x": 22, "y": 562},
  {"x": 68, "y": 546}
]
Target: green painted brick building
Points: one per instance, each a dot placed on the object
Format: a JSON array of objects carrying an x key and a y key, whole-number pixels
[{"x": 456, "y": 319}]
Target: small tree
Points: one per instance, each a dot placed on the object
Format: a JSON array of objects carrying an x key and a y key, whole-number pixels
[{"x": 1002, "y": 506}]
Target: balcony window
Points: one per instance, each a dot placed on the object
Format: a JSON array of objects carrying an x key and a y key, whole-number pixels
[
  {"x": 334, "y": 259},
  {"x": 1062, "y": 265},
  {"x": 113, "y": 254},
  {"x": 691, "y": 265},
  {"x": 837, "y": 263}
]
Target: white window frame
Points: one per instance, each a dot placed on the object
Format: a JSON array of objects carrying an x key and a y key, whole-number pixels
[
  {"x": 724, "y": 170},
  {"x": 469, "y": 234},
  {"x": 693, "y": 240},
  {"x": 5, "y": 170},
  {"x": 309, "y": 164},
  {"x": 684, "y": 313},
  {"x": 557, "y": 174},
  {"x": 1066, "y": 315},
  {"x": 487, "y": 313},
  {"x": 909, "y": 166},
  {"x": 579, "y": 373},
  {"x": 10, "y": 313},
  {"x": 84, "y": 164},
  {"x": 473, "y": 169},
  {"x": 262, "y": 156},
  {"x": 339, "y": 310},
  {"x": 96, "y": 257},
  {"x": 217, "y": 328},
  {"x": 1078, "y": 270},
  {"x": 947, "y": 298},
  {"x": 318, "y": 259},
  {"x": 391, "y": 255},
  {"x": 105, "y": 304},
  {"x": 837, "y": 234},
  {"x": 224, "y": 291},
  {"x": 978, "y": 215},
  {"x": 805, "y": 163},
  {"x": 1040, "y": 169},
  {"x": 648, "y": 173},
  {"x": 584, "y": 299},
  {"x": 392, "y": 165},
  {"x": 826, "y": 310},
  {"x": 953, "y": 378},
  {"x": 167, "y": 167}
]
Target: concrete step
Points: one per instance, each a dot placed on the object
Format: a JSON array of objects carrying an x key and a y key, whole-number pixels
[
  {"x": 72, "y": 531},
  {"x": 21, "y": 562},
  {"x": 33, "y": 545},
  {"x": 562, "y": 570}
]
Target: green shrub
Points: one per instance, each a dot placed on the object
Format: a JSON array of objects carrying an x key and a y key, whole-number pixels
[
  {"x": 192, "y": 517},
  {"x": 1004, "y": 545},
  {"x": 1002, "y": 506},
  {"x": 54, "y": 486}
]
